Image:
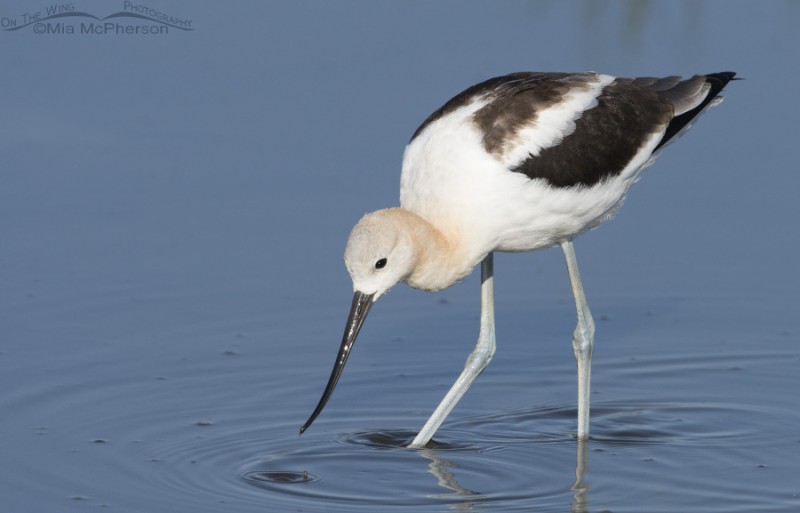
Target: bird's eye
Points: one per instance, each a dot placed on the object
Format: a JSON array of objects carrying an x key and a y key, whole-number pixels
[{"x": 380, "y": 264}]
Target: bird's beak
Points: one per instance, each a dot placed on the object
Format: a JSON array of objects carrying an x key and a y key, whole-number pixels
[{"x": 358, "y": 312}]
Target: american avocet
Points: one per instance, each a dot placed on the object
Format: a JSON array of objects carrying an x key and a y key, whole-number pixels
[{"x": 516, "y": 163}]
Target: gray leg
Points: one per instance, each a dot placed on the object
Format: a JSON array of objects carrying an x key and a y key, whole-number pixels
[
  {"x": 582, "y": 341},
  {"x": 476, "y": 362}
]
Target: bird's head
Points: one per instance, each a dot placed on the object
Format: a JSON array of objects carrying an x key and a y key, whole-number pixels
[{"x": 380, "y": 253}]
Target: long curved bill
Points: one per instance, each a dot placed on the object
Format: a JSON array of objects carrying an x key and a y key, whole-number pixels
[{"x": 358, "y": 312}]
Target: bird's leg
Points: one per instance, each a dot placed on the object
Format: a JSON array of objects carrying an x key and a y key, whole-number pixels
[
  {"x": 476, "y": 362},
  {"x": 582, "y": 340}
]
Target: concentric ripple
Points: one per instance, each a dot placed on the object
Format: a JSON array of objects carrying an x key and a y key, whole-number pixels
[
  {"x": 278, "y": 476},
  {"x": 398, "y": 439}
]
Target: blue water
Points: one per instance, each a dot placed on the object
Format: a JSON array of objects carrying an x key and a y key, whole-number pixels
[{"x": 173, "y": 212}]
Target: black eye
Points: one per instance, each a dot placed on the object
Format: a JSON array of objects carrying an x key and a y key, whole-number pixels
[{"x": 380, "y": 264}]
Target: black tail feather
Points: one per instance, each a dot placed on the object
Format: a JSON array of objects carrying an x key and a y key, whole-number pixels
[{"x": 717, "y": 81}]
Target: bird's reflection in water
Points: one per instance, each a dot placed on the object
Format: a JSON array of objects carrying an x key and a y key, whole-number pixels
[
  {"x": 470, "y": 500},
  {"x": 580, "y": 491}
]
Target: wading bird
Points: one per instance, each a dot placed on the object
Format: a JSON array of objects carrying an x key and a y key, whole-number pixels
[{"x": 516, "y": 163}]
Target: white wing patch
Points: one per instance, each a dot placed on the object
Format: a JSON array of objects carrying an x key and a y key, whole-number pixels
[{"x": 551, "y": 125}]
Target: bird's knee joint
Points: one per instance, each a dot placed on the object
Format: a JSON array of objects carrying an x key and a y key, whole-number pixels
[
  {"x": 583, "y": 341},
  {"x": 482, "y": 354}
]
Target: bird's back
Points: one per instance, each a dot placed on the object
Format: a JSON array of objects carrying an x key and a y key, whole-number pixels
[{"x": 528, "y": 160}]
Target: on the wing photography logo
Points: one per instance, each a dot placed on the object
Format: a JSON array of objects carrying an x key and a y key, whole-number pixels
[{"x": 65, "y": 19}]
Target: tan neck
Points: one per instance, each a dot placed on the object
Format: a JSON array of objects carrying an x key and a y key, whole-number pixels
[{"x": 440, "y": 260}]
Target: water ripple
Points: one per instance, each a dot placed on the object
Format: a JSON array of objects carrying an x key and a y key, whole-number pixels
[{"x": 219, "y": 452}]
